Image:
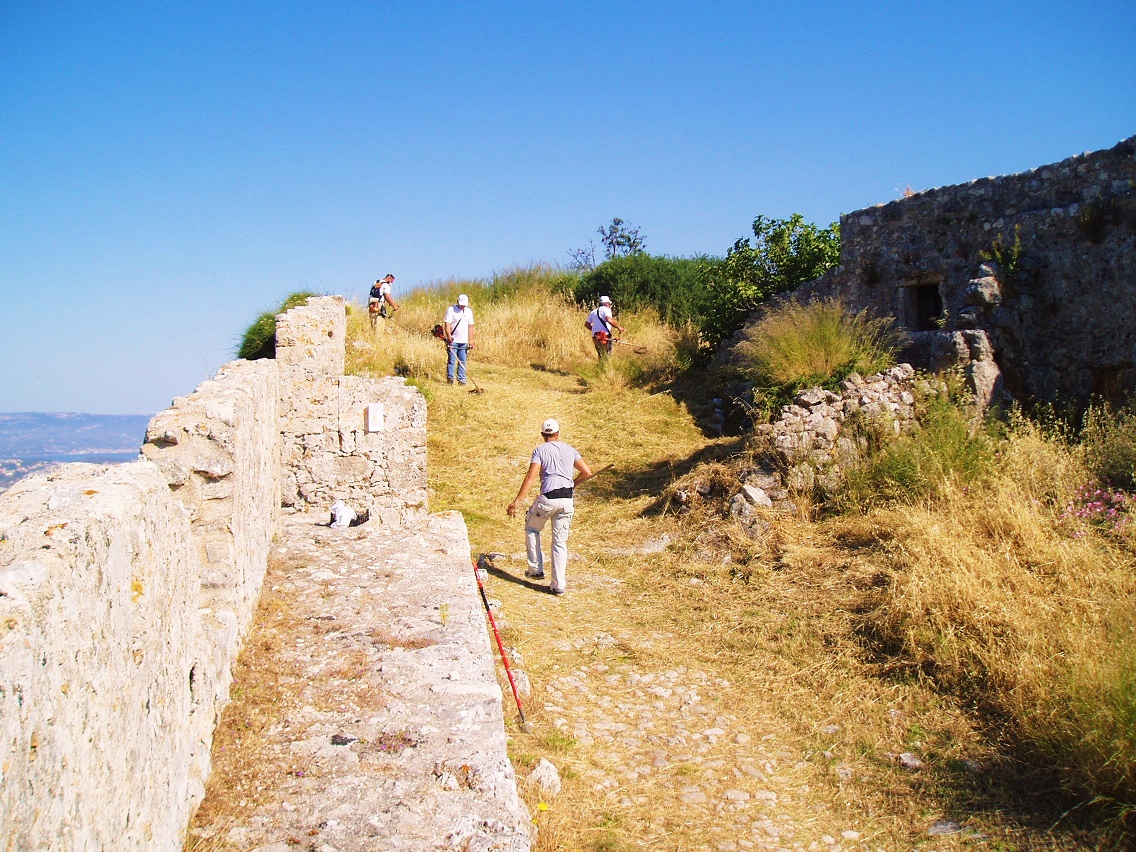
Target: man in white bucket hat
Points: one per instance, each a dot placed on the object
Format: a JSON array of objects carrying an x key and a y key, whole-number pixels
[{"x": 554, "y": 462}]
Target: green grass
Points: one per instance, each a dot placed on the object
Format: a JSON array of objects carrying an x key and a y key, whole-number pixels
[
  {"x": 259, "y": 339},
  {"x": 944, "y": 448}
]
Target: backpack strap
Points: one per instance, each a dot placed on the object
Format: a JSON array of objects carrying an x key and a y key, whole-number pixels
[{"x": 456, "y": 324}]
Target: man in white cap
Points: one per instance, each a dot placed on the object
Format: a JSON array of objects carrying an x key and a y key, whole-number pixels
[
  {"x": 553, "y": 461},
  {"x": 458, "y": 324},
  {"x": 599, "y": 323}
]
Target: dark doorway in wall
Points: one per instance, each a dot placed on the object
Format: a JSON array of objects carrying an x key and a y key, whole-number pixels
[
  {"x": 1113, "y": 385},
  {"x": 922, "y": 305}
]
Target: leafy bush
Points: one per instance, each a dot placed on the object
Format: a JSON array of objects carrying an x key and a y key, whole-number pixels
[
  {"x": 1109, "y": 437},
  {"x": 944, "y": 450},
  {"x": 672, "y": 286},
  {"x": 786, "y": 254},
  {"x": 818, "y": 343},
  {"x": 259, "y": 339},
  {"x": 714, "y": 294}
]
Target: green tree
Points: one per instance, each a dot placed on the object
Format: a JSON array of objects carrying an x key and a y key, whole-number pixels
[
  {"x": 785, "y": 254},
  {"x": 621, "y": 239}
]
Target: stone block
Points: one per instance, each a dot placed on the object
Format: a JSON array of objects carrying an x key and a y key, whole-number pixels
[{"x": 756, "y": 496}]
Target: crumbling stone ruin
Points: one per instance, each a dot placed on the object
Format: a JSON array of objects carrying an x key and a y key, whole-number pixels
[
  {"x": 1026, "y": 282},
  {"x": 811, "y": 441},
  {"x": 1025, "y": 285},
  {"x": 126, "y": 591}
]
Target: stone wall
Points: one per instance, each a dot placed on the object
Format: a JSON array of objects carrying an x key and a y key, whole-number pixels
[
  {"x": 219, "y": 451},
  {"x": 125, "y": 591},
  {"x": 99, "y": 634},
  {"x": 810, "y": 440},
  {"x": 346, "y": 438},
  {"x": 1059, "y": 325}
]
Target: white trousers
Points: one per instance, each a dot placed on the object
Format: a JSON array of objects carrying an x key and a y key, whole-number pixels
[{"x": 560, "y": 511}]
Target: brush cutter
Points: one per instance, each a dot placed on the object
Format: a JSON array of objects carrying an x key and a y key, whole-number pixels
[
  {"x": 638, "y": 350},
  {"x": 603, "y": 469},
  {"x": 475, "y": 388},
  {"x": 496, "y": 635}
]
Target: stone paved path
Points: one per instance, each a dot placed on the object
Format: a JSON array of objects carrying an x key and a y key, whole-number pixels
[
  {"x": 665, "y": 754},
  {"x": 379, "y": 715}
]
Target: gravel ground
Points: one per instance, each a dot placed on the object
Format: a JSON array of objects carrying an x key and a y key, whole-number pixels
[{"x": 655, "y": 754}]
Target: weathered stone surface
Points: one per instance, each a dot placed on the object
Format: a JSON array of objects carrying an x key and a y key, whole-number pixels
[
  {"x": 809, "y": 442},
  {"x": 327, "y": 452},
  {"x": 101, "y": 637},
  {"x": 126, "y": 591},
  {"x": 415, "y": 757},
  {"x": 1076, "y": 220},
  {"x": 983, "y": 292},
  {"x": 545, "y": 776},
  {"x": 756, "y": 496}
]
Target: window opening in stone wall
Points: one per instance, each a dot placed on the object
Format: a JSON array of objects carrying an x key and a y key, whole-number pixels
[
  {"x": 1108, "y": 384},
  {"x": 922, "y": 306}
]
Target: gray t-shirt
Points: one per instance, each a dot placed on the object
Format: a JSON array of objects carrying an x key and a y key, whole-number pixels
[{"x": 556, "y": 460}]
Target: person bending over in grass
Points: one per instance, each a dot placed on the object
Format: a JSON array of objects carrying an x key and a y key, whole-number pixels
[
  {"x": 380, "y": 298},
  {"x": 599, "y": 323},
  {"x": 553, "y": 461}
]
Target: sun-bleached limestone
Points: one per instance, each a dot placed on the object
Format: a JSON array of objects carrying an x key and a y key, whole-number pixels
[
  {"x": 125, "y": 591},
  {"x": 99, "y": 636},
  {"x": 328, "y": 452}
]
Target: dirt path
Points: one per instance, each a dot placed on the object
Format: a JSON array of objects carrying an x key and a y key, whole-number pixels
[{"x": 655, "y": 748}]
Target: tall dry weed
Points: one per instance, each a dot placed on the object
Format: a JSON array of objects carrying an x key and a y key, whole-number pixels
[
  {"x": 798, "y": 345},
  {"x": 995, "y": 599}
]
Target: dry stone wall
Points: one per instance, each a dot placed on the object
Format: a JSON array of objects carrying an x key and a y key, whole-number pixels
[
  {"x": 99, "y": 634},
  {"x": 362, "y": 441},
  {"x": 811, "y": 440},
  {"x": 125, "y": 591},
  {"x": 1055, "y": 313}
]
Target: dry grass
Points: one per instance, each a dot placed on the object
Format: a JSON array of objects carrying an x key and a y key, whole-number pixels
[
  {"x": 798, "y": 345},
  {"x": 818, "y": 635},
  {"x": 777, "y": 624},
  {"x": 245, "y": 763},
  {"x": 250, "y": 755},
  {"x": 994, "y": 597},
  {"x": 535, "y": 326}
]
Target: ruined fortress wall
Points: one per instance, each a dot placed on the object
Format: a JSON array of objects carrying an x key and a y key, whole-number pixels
[
  {"x": 125, "y": 590},
  {"x": 99, "y": 630},
  {"x": 219, "y": 452},
  {"x": 1060, "y": 325},
  {"x": 346, "y": 438}
]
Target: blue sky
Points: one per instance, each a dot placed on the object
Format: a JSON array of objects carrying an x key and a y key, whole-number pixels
[{"x": 169, "y": 170}]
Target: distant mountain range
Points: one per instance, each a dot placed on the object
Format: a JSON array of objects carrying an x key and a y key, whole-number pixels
[{"x": 32, "y": 441}]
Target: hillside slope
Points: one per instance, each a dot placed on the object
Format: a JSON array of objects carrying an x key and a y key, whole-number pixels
[{"x": 690, "y": 701}]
